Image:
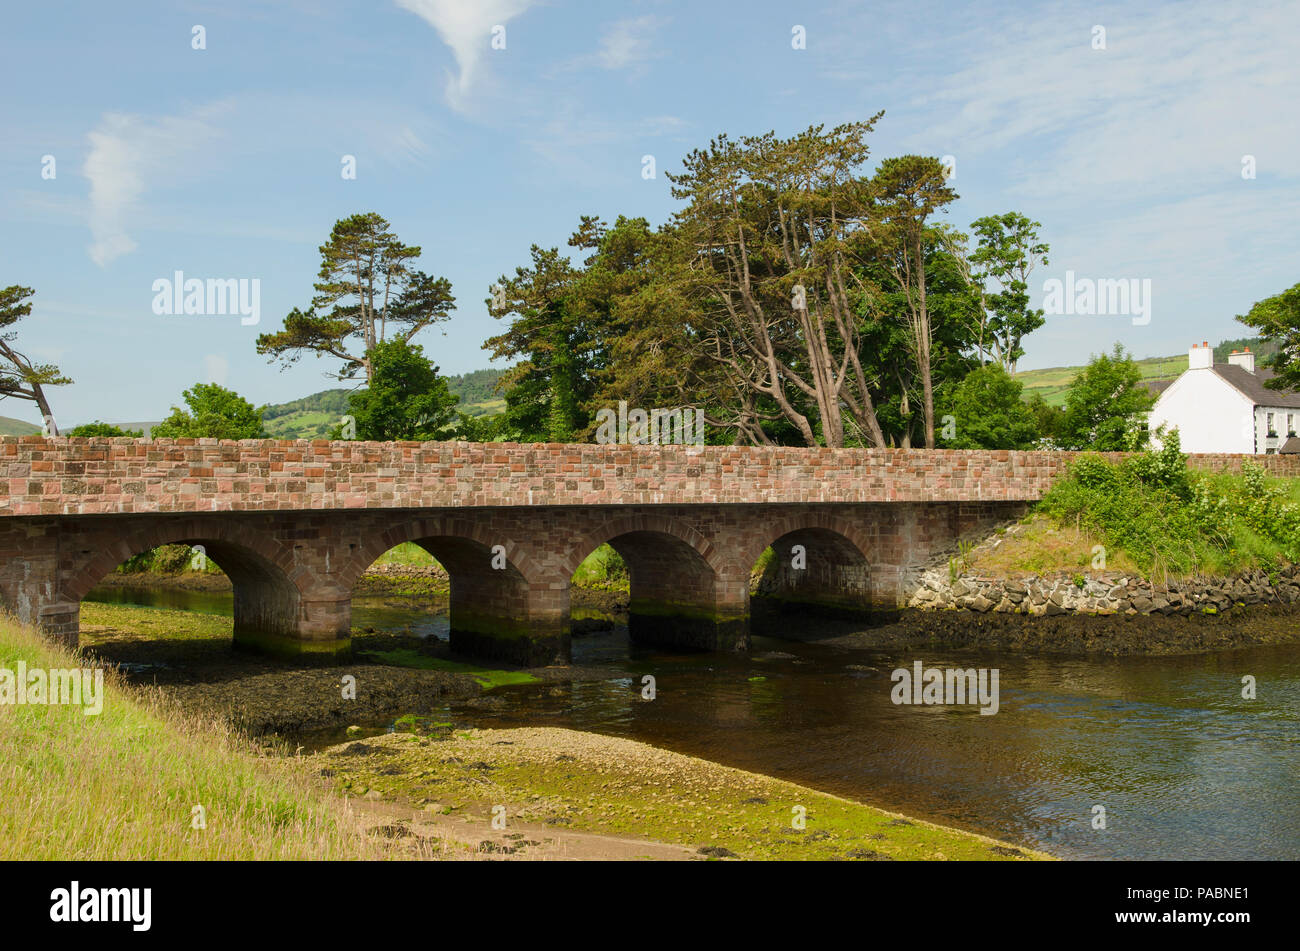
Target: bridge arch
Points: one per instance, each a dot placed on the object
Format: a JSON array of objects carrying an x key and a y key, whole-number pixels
[
  {"x": 823, "y": 563},
  {"x": 678, "y": 593},
  {"x": 502, "y": 606},
  {"x": 269, "y": 608}
]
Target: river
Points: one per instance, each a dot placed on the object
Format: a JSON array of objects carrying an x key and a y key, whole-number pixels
[{"x": 1181, "y": 764}]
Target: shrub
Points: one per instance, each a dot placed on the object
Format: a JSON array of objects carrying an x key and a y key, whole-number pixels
[{"x": 1170, "y": 520}]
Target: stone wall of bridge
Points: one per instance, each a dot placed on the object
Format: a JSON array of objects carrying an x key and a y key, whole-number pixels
[{"x": 66, "y": 476}]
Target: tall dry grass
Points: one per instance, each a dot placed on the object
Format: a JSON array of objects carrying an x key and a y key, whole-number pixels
[{"x": 124, "y": 784}]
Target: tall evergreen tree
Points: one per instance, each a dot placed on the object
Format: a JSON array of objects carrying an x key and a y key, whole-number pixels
[{"x": 367, "y": 284}]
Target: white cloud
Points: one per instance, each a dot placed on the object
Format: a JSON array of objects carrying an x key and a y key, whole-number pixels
[
  {"x": 466, "y": 27},
  {"x": 128, "y": 153},
  {"x": 627, "y": 42}
]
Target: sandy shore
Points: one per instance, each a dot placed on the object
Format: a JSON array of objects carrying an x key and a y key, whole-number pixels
[{"x": 558, "y": 793}]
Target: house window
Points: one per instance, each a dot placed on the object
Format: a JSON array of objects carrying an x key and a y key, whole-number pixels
[
  {"x": 1290, "y": 424},
  {"x": 1272, "y": 430}
]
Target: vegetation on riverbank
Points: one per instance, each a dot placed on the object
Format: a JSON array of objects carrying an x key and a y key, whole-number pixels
[
  {"x": 125, "y": 784},
  {"x": 1150, "y": 514}
]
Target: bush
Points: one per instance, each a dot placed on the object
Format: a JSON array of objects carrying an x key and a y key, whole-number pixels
[{"x": 1170, "y": 520}]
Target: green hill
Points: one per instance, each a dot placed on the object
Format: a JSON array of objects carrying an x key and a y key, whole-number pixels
[
  {"x": 315, "y": 416},
  {"x": 16, "y": 427},
  {"x": 1052, "y": 382}
]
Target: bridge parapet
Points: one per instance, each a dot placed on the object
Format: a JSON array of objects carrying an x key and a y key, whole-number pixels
[{"x": 96, "y": 476}]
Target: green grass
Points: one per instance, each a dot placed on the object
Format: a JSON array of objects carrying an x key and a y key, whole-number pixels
[
  {"x": 603, "y": 569},
  {"x": 17, "y": 427},
  {"x": 485, "y": 408},
  {"x": 1052, "y": 383},
  {"x": 1171, "y": 521},
  {"x": 407, "y": 553},
  {"x": 305, "y": 424},
  {"x": 123, "y": 785}
]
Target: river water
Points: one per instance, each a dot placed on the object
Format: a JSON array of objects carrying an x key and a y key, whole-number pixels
[{"x": 1181, "y": 764}]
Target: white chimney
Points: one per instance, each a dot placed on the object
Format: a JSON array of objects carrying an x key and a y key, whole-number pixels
[
  {"x": 1243, "y": 359},
  {"x": 1200, "y": 358}
]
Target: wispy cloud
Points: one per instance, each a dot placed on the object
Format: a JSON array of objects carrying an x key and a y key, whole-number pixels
[
  {"x": 628, "y": 42},
  {"x": 1179, "y": 94},
  {"x": 128, "y": 153},
  {"x": 466, "y": 27}
]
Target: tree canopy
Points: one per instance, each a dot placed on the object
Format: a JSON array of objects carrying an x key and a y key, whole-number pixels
[
  {"x": 1106, "y": 406},
  {"x": 214, "y": 412},
  {"x": 988, "y": 412},
  {"x": 406, "y": 398},
  {"x": 365, "y": 286},
  {"x": 20, "y": 378},
  {"x": 1277, "y": 319}
]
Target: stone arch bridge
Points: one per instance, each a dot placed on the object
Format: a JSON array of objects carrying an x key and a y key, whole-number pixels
[{"x": 294, "y": 524}]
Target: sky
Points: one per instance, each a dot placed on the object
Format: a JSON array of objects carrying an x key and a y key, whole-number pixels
[{"x": 1156, "y": 142}]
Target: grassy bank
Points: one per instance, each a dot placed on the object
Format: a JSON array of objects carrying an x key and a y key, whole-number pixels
[
  {"x": 1151, "y": 516},
  {"x": 125, "y": 784},
  {"x": 564, "y": 779}
]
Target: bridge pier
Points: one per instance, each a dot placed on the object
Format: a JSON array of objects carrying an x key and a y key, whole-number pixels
[
  {"x": 530, "y": 629},
  {"x": 318, "y": 630}
]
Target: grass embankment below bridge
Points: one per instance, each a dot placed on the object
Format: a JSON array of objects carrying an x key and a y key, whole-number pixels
[{"x": 1151, "y": 517}]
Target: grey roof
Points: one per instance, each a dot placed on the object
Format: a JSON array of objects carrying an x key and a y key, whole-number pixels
[
  {"x": 1156, "y": 387},
  {"x": 1251, "y": 386},
  {"x": 1292, "y": 445}
]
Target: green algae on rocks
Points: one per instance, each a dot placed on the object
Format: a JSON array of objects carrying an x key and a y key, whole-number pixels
[{"x": 613, "y": 786}]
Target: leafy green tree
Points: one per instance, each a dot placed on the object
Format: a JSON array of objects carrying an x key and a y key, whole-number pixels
[
  {"x": 1106, "y": 406},
  {"x": 1007, "y": 252},
  {"x": 1277, "y": 319},
  {"x": 546, "y": 390},
  {"x": 406, "y": 399},
  {"x": 367, "y": 283},
  {"x": 1048, "y": 420},
  {"x": 103, "y": 429},
  {"x": 19, "y": 377},
  {"x": 988, "y": 412},
  {"x": 214, "y": 412},
  {"x": 906, "y": 191},
  {"x": 886, "y": 346}
]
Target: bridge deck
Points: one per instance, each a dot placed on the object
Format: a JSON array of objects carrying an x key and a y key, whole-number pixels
[{"x": 63, "y": 476}]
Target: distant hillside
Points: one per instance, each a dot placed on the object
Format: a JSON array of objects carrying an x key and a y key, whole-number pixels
[
  {"x": 16, "y": 427},
  {"x": 1051, "y": 383},
  {"x": 315, "y": 416}
]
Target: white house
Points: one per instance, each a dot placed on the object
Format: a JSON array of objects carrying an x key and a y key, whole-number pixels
[{"x": 1225, "y": 407}]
